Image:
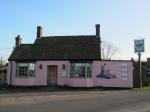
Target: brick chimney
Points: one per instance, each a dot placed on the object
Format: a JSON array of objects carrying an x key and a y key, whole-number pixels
[
  {"x": 39, "y": 32},
  {"x": 98, "y": 35},
  {"x": 18, "y": 40},
  {"x": 97, "y": 30}
]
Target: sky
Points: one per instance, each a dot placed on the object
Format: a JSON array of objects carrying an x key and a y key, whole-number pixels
[{"x": 122, "y": 21}]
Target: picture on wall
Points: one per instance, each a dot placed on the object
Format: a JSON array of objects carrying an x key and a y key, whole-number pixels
[{"x": 105, "y": 72}]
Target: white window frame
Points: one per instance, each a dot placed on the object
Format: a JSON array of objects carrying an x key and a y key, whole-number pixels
[
  {"x": 78, "y": 74},
  {"x": 25, "y": 69}
]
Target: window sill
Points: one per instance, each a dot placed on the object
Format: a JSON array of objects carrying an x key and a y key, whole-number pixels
[
  {"x": 81, "y": 77},
  {"x": 25, "y": 77}
]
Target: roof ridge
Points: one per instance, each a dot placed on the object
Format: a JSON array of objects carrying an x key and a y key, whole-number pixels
[
  {"x": 26, "y": 44},
  {"x": 69, "y": 36}
]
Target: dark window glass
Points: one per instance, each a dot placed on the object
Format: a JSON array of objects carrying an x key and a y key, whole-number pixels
[
  {"x": 80, "y": 70},
  {"x": 25, "y": 69}
]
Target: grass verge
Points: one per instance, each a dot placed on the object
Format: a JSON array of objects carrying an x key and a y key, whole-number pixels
[{"x": 145, "y": 88}]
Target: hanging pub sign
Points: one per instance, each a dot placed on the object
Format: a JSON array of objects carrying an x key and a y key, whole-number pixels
[{"x": 139, "y": 45}]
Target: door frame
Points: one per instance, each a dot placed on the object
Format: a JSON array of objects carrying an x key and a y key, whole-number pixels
[{"x": 48, "y": 74}]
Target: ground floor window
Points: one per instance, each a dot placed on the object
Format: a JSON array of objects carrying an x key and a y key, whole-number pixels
[
  {"x": 80, "y": 70},
  {"x": 25, "y": 69},
  {"x": 147, "y": 76}
]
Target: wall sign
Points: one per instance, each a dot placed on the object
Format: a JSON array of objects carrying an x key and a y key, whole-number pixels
[
  {"x": 106, "y": 72},
  {"x": 64, "y": 73}
]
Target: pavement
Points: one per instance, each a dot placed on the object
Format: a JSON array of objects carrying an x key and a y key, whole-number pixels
[
  {"x": 34, "y": 97},
  {"x": 53, "y": 90}
]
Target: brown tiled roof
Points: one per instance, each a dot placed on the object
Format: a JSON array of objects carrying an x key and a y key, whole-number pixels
[{"x": 59, "y": 48}]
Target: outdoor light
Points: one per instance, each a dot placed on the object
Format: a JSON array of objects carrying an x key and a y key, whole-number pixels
[
  {"x": 63, "y": 67},
  {"x": 40, "y": 66}
]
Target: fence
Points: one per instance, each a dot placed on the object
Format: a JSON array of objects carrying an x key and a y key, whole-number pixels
[{"x": 3, "y": 74}]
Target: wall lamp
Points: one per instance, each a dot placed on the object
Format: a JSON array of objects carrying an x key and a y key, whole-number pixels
[
  {"x": 40, "y": 66},
  {"x": 63, "y": 67}
]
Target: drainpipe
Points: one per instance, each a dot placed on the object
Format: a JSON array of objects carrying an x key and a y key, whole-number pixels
[{"x": 10, "y": 72}]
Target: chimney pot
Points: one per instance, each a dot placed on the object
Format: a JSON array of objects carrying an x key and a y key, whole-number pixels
[
  {"x": 97, "y": 30},
  {"x": 39, "y": 32},
  {"x": 18, "y": 40}
]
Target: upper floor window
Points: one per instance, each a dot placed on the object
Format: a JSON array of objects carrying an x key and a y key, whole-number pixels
[{"x": 25, "y": 69}]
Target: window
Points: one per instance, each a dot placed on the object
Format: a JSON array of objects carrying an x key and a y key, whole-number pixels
[
  {"x": 124, "y": 71},
  {"x": 80, "y": 70},
  {"x": 147, "y": 78},
  {"x": 25, "y": 70}
]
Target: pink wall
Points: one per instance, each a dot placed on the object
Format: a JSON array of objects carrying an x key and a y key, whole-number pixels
[
  {"x": 42, "y": 73},
  {"x": 40, "y": 78},
  {"x": 11, "y": 70},
  {"x": 25, "y": 81},
  {"x": 115, "y": 68},
  {"x": 80, "y": 82}
]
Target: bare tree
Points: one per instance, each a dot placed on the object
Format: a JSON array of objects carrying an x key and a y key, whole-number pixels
[
  {"x": 108, "y": 50},
  {"x": 2, "y": 62}
]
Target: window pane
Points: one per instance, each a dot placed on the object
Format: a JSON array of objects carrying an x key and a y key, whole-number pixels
[
  {"x": 80, "y": 70},
  {"x": 25, "y": 69}
]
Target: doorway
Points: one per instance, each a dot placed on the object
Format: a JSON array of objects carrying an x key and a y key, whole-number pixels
[{"x": 52, "y": 75}]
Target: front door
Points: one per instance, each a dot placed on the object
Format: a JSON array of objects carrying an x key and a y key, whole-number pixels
[{"x": 52, "y": 75}]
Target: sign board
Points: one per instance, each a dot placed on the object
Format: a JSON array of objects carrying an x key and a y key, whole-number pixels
[
  {"x": 139, "y": 46},
  {"x": 64, "y": 73}
]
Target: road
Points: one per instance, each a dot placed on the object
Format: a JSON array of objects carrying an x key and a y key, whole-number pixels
[{"x": 76, "y": 101}]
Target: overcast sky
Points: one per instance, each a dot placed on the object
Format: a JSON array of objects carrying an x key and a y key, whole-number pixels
[{"x": 121, "y": 21}]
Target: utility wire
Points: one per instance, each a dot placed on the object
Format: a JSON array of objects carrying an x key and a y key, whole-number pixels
[{"x": 6, "y": 48}]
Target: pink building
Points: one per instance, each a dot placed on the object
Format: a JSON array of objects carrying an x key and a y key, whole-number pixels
[{"x": 66, "y": 61}]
